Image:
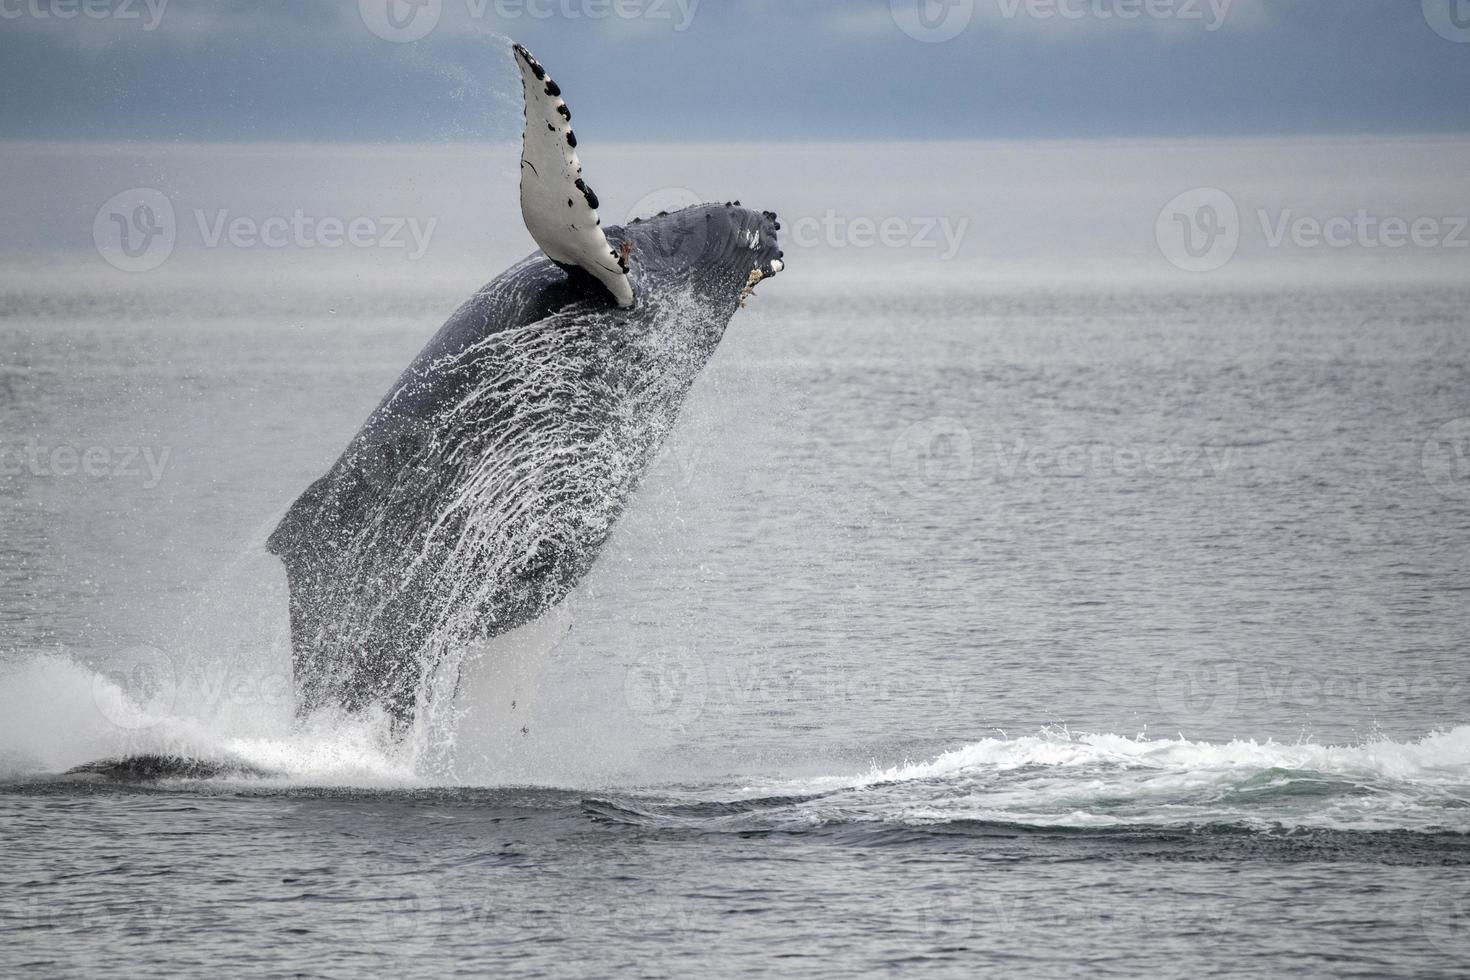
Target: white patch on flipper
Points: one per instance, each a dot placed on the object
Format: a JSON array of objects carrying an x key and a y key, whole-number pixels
[{"x": 559, "y": 209}]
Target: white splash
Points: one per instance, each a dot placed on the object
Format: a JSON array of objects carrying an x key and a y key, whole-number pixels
[{"x": 1060, "y": 779}]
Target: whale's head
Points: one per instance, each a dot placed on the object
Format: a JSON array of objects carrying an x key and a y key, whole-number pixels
[{"x": 717, "y": 251}]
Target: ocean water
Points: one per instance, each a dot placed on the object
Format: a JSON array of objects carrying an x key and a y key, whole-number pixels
[{"x": 975, "y": 621}]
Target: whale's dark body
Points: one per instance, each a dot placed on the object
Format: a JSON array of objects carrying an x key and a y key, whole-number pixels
[{"x": 481, "y": 489}]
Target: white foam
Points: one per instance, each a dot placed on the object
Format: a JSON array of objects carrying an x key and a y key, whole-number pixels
[
  {"x": 56, "y": 714},
  {"x": 1088, "y": 781},
  {"x": 1438, "y": 757}
]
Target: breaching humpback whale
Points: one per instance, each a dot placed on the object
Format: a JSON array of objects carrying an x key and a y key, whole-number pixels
[{"x": 481, "y": 489}]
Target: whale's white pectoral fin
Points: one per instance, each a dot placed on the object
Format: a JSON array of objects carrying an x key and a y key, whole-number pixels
[{"x": 559, "y": 208}]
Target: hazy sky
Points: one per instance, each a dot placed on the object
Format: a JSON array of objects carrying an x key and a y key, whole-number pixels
[{"x": 733, "y": 69}]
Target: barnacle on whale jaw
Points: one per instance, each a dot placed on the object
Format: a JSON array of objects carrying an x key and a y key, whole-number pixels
[{"x": 756, "y": 275}]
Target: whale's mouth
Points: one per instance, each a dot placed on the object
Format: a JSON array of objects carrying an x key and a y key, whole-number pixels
[
  {"x": 755, "y": 279},
  {"x": 770, "y": 260},
  {"x": 769, "y": 270},
  {"x": 774, "y": 260},
  {"x": 758, "y": 232}
]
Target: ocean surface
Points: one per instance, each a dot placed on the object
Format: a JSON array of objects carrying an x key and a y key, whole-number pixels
[{"x": 978, "y": 620}]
